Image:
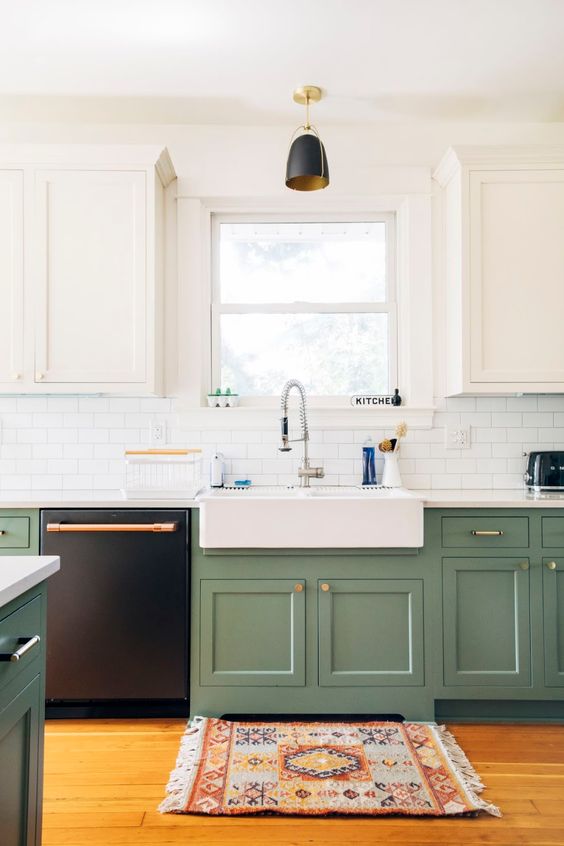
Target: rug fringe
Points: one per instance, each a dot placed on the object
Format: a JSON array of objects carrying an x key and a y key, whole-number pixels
[
  {"x": 181, "y": 777},
  {"x": 468, "y": 775}
]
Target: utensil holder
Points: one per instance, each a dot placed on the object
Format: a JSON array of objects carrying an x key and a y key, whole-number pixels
[{"x": 391, "y": 476}]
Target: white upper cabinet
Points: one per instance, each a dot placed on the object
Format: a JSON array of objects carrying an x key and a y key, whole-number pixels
[
  {"x": 91, "y": 238},
  {"x": 503, "y": 270},
  {"x": 11, "y": 279}
]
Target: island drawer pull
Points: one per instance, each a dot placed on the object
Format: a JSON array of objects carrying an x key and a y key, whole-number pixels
[
  {"x": 325, "y": 587},
  {"x": 551, "y": 565},
  {"x": 486, "y": 533},
  {"x": 27, "y": 643},
  {"x": 112, "y": 527}
]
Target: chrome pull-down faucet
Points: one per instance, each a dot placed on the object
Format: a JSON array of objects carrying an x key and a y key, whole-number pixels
[{"x": 305, "y": 472}]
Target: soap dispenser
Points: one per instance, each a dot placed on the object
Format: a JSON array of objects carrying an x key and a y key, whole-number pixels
[
  {"x": 368, "y": 463},
  {"x": 216, "y": 470}
]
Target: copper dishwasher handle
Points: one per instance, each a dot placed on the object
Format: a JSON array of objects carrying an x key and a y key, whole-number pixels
[{"x": 111, "y": 527}]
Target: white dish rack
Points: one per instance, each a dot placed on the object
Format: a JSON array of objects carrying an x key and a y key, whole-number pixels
[{"x": 163, "y": 473}]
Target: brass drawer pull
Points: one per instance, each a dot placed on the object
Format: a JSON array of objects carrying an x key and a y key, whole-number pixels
[
  {"x": 112, "y": 527},
  {"x": 551, "y": 565},
  {"x": 524, "y": 565},
  {"x": 325, "y": 587},
  {"x": 486, "y": 533},
  {"x": 27, "y": 643},
  {"x": 298, "y": 588}
]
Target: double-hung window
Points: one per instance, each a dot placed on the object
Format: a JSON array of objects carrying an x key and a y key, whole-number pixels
[{"x": 311, "y": 298}]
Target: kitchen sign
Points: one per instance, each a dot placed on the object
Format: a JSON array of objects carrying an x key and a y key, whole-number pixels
[{"x": 367, "y": 400}]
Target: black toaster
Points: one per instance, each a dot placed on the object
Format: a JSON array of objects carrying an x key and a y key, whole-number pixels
[{"x": 545, "y": 470}]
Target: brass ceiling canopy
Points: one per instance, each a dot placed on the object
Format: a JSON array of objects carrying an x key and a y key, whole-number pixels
[{"x": 307, "y": 168}]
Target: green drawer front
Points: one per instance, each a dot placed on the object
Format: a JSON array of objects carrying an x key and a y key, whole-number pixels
[
  {"x": 14, "y": 533},
  {"x": 486, "y": 532},
  {"x": 20, "y": 625},
  {"x": 553, "y": 531}
]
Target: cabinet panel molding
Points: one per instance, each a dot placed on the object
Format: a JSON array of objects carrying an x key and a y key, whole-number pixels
[
  {"x": 371, "y": 632},
  {"x": 486, "y": 625}
]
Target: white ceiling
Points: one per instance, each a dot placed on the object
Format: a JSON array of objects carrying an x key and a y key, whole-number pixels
[{"x": 237, "y": 61}]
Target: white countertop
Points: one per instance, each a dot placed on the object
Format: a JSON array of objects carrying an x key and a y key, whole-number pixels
[
  {"x": 430, "y": 498},
  {"x": 19, "y": 573},
  {"x": 85, "y": 499},
  {"x": 489, "y": 499}
]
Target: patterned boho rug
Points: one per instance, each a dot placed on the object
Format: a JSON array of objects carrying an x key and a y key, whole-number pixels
[{"x": 315, "y": 769}]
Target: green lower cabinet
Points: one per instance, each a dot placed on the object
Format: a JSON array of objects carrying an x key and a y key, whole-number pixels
[
  {"x": 486, "y": 622},
  {"x": 20, "y": 722},
  {"x": 553, "y": 612},
  {"x": 19, "y": 532},
  {"x": 371, "y": 632},
  {"x": 252, "y": 632}
]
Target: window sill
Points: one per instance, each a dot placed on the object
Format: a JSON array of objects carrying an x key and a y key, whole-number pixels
[{"x": 249, "y": 417}]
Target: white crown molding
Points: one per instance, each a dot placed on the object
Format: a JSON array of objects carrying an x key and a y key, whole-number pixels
[
  {"x": 543, "y": 156},
  {"x": 165, "y": 168}
]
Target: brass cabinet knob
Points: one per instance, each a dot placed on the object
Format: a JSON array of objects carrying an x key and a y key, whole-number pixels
[
  {"x": 551, "y": 565},
  {"x": 325, "y": 587},
  {"x": 298, "y": 588},
  {"x": 39, "y": 376},
  {"x": 16, "y": 376},
  {"x": 524, "y": 565}
]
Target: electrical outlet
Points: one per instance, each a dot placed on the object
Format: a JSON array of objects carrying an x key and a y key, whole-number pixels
[
  {"x": 457, "y": 438},
  {"x": 158, "y": 433}
]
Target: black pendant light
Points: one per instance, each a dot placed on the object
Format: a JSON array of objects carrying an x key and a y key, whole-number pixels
[{"x": 307, "y": 169}]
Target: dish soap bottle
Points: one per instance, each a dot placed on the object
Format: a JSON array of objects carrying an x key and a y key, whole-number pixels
[{"x": 368, "y": 464}]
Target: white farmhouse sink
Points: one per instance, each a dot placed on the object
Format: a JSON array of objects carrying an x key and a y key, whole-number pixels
[{"x": 316, "y": 517}]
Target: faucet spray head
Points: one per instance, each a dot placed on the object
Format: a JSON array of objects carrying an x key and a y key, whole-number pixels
[{"x": 284, "y": 432}]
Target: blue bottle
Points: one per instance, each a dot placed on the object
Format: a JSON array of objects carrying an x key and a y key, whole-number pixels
[{"x": 368, "y": 465}]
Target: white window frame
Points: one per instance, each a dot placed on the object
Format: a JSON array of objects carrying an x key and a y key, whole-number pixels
[
  {"x": 406, "y": 192},
  {"x": 389, "y": 306}
]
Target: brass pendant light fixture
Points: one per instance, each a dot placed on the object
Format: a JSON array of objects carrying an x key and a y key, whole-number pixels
[{"x": 306, "y": 168}]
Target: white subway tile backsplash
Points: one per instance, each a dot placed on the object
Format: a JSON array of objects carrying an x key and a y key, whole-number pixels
[
  {"x": 62, "y": 436},
  {"x": 47, "y": 450},
  {"x": 475, "y": 418},
  {"x": 92, "y": 436},
  {"x": 448, "y": 481},
  {"x": 550, "y": 403},
  {"x": 36, "y": 404},
  {"x": 489, "y": 435},
  {"x": 538, "y": 418},
  {"x": 507, "y": 418},
  {"x": 31, "y": 436},
  {"x": 475, "y": 481},
  {"x": 91, "y": 404},
  {"x": 520, "y": 435},
  {"x": 79, "y": 482},
  {"x": 62, "y": 465},
  {"x": 491, "y": 403},
  {"x": 63, "y": 404},
  {"x": 77, "y": 443},
  {"x": 522, "y": 403}
]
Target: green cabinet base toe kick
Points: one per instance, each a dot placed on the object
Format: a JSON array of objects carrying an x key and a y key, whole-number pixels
[{"x": 470, "y": 628}]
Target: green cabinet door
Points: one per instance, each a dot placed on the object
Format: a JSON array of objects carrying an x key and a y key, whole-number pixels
[
  {"x": 486, "y": 625},
  {"x": 553, "y": 611},
  {"x": 252, "y": 632},
  {"x": 371, "y": 632},
  {"x": 19, "y": 750}
]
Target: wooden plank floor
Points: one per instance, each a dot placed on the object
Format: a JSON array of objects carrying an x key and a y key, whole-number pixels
[{"x": 104, "y": 780}]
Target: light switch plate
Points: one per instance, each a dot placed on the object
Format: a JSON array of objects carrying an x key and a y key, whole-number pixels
[{"x": 458, "y": 438}]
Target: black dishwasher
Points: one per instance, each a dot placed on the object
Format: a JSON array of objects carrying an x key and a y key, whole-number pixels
[{"x": 117, "y": 616}]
